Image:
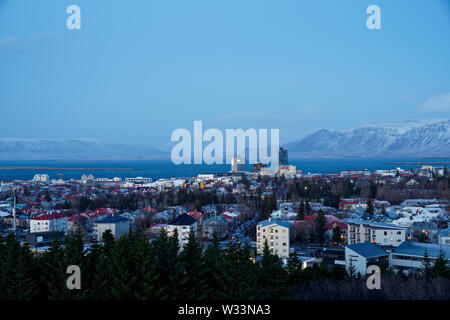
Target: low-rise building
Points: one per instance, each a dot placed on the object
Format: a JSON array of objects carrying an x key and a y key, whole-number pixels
[
  {"x": 444, "y": 237},
  {"x": 359, "y": 256},
  {"x": 409, "y": 256},
  {"x": 117, "y": 224},
  {"x": 183, "y": 224},
  {"x": 49, "y": 222},
  {"x": 215, "y": 224}
]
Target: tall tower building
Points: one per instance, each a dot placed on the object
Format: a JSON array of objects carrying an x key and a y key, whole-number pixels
[{"x": 283, "y": 157}]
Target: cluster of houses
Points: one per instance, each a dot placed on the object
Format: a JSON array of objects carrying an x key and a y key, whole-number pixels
[
  {"x": 390, "y": 235},
  {"x": 388, "y": 239}
]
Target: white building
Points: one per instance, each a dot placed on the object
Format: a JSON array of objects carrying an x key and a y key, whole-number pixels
[
  {"x": 359, "y": 256},
  {"x": 444, "y": 237},
  {"x": 409, "y": 256},
  {"x": 287, "y": 170},
  {"x": 276, "y": 233},
  {"x": 408, "y": 215},
  {"x": 384, "y": 234},
  {"x": 139, "y": 180},
  {"x": 117, "y": 224},
  {"x": 184, "y": 223},
  {"x": 49, "y": 222},
  {"x": 41, "y": 177}
]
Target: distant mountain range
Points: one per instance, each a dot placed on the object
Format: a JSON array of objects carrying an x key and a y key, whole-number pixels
[
  {"x": 74, "y": 149},
  {"x": 408, "y": 139},
  {"x": 418, "y": 138}
]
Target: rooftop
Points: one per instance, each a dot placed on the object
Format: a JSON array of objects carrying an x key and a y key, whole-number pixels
[
  {"x": 269, "y": 222},
  {"x": 183, "y": 220},
  {"x": 418, "y": 249},
  {"x": 112, "y": 219},
  {"x": 367, "y": 250}
]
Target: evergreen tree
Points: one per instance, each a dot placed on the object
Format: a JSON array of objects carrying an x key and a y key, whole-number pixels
[
  {"x": 53, "y": 267},
  {"x": 301, "y": 211},
  {"x": 337, "y": 234},
  {"x": 17, "y": 271},
  {"x": 213, "y": 261},
  {"x": 273, "y": 277},
  {"x": 307, "y": 207},
  {"x": 440, "y": 266},
  {"x": 239, "y": 273},
  {"x": 427, "y": 264},
  {"x": 320, "y": 227},
  {"x": 370, "y": 208},
  {"x": 121, "y": 270},
  {"x": 168, "y": 265},
  {"x": 146, "y": 285},
  {"x": 294, "y": 268},
  {"x": 194, "y": 284}
]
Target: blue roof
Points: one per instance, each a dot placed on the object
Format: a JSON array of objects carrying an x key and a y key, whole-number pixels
[
  {"x": 418, "y": 249},
  {"x": 445, "y": 232},
  {"x": 266, "y": 223},
  {"x": 367, "y": 250},
  {"x": 113, "y": 219},
  {"x": 373, "y": 223}
]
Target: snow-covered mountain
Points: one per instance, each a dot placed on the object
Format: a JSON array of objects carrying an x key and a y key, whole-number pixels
[
  {"x": 419, "y": 138},
  {"x": 74, "y": 149}
]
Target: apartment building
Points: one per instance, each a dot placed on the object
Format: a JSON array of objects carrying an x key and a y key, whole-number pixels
[
  {"x": 49, "y": 222},
  {"x": 276, "y": 233},
  {"x": 383, "y": 234}
]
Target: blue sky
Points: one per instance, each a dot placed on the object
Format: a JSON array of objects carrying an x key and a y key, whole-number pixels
[{"x": 139, "y": 69}]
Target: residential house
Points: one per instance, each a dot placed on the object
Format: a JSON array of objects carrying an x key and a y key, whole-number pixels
[
  {"x": 183, "y": 224},
  {"x": 117, "y": 224}
]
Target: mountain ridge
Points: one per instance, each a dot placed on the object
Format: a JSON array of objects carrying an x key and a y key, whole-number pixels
[
  {"x": 430, "y": 138},
  {"x": 74, "y": 149}
]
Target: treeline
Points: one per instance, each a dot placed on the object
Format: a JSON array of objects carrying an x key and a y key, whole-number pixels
[{"x": 131, "y": 268}]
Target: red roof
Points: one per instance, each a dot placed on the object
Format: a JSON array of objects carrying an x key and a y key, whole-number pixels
[{"x": 49, "y": 216}]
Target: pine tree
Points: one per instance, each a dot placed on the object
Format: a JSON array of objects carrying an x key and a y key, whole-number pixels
[
  {"x": 337, "y": 235},
  {"x": 301, "y": 211},
  {"x": 17, "y": 271},
  {"x": 370, "y": 208},
  {"x": 194, "y": 284},
  {"x": 146, "y": 286},
  {"x": 307, "y": 207},
  {"x": 272, "y": 278},
  {"x": 427, "y": 264},
  {"x": 53, "y": 269},
  {"x": 239, "y": 273},
  {"x": 213, "y": 261},
  {"x": 294, "y": 268},
  {"x": 320, "y": 227},
  {"x": 168, "y": 265},
  {"x": 121, "y": 270},
  {"x": 440, "y": 266}
]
